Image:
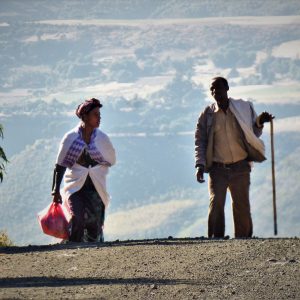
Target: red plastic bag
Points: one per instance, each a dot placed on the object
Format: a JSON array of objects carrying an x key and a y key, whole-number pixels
[{"x": 55, "y": 220}]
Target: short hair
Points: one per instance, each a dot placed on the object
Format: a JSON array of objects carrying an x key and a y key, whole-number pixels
[{"x": 224, "y": 80}]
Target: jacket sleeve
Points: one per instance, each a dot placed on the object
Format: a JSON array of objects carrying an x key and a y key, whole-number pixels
[
  {"x": 257, "y": 128},
  {"x": 201, "y": 140}
]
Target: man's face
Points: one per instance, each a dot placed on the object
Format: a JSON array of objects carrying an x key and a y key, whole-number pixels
[{"x": 219, "y": 91}]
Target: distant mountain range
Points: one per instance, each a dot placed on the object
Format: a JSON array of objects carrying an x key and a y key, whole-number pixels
[
  {"x": 150, "y": 64},
  {"x": 142, "y": 9}
]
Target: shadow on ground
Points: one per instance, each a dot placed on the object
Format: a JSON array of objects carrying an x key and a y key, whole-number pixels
[
  {"x": 58, "y": 281},
  {"x": 145, "y": 242}
]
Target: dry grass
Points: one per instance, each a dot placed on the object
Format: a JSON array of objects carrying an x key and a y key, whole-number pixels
[{"x": 5, "y": 241}]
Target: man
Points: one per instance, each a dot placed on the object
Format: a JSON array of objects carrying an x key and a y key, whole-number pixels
[{"x": 226, "y": 141}]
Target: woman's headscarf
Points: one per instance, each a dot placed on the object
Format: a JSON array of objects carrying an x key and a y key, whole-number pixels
[{"x": 87, "y": 106}]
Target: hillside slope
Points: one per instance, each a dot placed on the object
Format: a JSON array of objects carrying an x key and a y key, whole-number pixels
[{"x": 154, "y": 269}]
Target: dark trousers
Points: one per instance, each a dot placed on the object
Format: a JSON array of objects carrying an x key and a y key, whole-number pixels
[
  {"x": 87, "y": 211},
  {"x": 236, "y": 178}
]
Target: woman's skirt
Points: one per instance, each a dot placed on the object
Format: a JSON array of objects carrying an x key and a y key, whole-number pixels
[{"x": 88, "y": 214}]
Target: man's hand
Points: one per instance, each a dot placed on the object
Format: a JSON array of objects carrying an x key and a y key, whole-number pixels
[
  {"x": 265, "y": 117},
  {"x": 200, "y": 174},
  {"x": 57, "y": 198}
]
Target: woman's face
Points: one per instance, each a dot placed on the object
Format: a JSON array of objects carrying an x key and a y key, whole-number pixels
[{"x": 93, "y": 118}]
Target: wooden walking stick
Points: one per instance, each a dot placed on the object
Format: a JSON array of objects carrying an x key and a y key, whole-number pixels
[{"x": 273, "y": 178}]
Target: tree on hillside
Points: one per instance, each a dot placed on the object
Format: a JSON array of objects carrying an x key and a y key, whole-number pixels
[{"x": 3, "y": 158}]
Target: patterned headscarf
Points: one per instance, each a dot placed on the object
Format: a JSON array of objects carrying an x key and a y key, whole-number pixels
[{"x": 87, "y": 106}]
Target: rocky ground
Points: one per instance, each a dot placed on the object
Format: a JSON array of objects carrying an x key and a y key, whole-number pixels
[{"x": 154, "y": 269}]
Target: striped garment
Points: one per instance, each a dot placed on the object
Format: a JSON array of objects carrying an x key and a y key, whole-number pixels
[{"x": 77, "y": 147}]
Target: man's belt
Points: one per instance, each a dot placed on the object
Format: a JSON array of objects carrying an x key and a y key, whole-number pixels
[{"x": 228, "y": 166}]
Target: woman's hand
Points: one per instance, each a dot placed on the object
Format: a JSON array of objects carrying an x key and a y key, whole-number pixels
[{"x": 57, "y": 198}]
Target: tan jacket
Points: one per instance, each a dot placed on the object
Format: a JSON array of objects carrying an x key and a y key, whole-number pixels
[{"x": 204, "y": 137}]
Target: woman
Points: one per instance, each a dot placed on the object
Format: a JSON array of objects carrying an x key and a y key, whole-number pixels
[{"x": 84, "y": 156}]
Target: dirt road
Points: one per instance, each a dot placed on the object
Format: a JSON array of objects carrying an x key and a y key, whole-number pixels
[{"x": 154, "y": 269}]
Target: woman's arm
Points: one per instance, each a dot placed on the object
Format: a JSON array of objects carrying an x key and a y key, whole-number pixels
[{"x": 58, "y": 174}]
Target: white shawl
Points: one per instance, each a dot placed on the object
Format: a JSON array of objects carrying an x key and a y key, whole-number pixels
[
  {"x": 246, "y": 116},
  {"x": 76, "y": 175}
]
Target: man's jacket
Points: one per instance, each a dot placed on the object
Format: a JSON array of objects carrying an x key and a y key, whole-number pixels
[{"x": 248, "y": 125}]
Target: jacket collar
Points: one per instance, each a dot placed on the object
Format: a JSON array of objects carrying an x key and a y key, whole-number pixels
[{"x": 215, "y": 108}]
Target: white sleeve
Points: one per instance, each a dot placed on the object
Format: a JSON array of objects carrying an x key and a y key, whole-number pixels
[
  {"x": 64, "y": 146},
  {"x": 108, "y": 151},
  {"x": 106, "y": 148}
]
